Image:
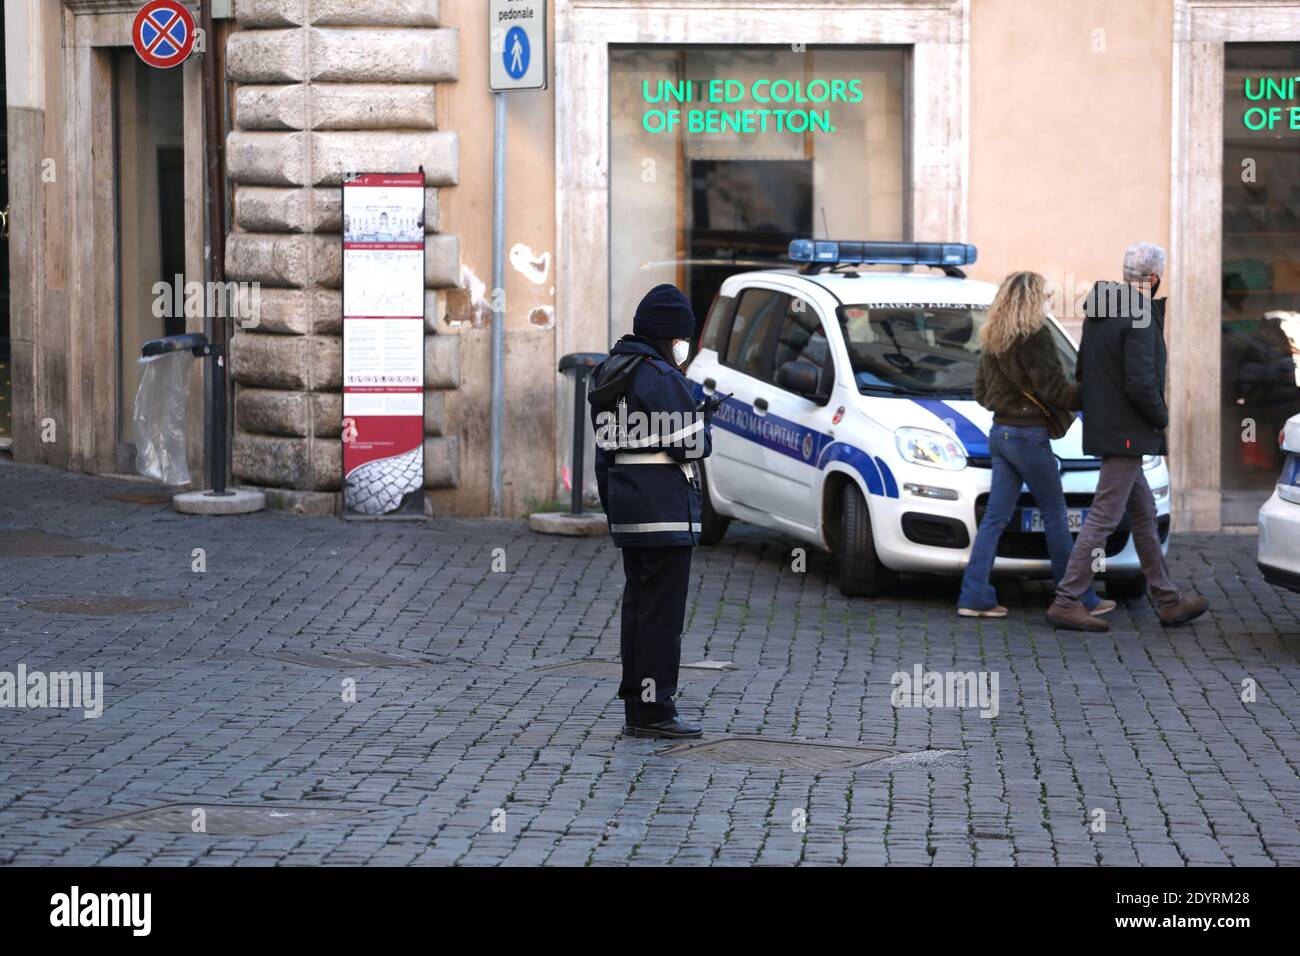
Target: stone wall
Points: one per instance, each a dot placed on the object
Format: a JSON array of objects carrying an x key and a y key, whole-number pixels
[{"x": 324, "y": 88}]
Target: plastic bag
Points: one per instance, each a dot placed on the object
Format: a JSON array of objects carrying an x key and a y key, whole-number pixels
[
  {"x": 590, "y": 493},
  {"x": 160, "y": 419}
]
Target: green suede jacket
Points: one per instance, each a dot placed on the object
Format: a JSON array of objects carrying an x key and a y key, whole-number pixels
[{"x": 1032, "y": 365}]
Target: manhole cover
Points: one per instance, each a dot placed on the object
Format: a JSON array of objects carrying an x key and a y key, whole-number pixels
[
  {"x": 336, "y": 659},
  {"x": 141, "y": 499},
  {"x": 104, "y": 604},
  {"x": 781, "y": 754},
  {"x": 221, "y": 819},
  {"x": 30, "y": 543}
]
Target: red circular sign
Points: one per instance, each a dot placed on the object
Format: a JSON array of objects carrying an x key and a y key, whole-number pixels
[{"x": 163, "y": 33}]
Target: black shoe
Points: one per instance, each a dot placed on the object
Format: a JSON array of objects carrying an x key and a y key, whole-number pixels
[{"x": 672, "y": 729}]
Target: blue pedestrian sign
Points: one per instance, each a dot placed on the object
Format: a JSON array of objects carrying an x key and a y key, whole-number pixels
[
  {"x": 517, "y": 38},
  {"x": 516, "y": 53}
]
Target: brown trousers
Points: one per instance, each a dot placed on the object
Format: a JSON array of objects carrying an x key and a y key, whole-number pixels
[{"x": 1121, "y": 488}]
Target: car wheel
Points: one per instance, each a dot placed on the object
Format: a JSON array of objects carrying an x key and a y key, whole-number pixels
[
  {"x": 861, "y": 573},
  {"x": 712, "y": 525},
  {"x": 1124, "y": 589}
]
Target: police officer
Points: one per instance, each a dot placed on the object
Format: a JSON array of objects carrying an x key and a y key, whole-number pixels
[{"x": 650, "y": 437}]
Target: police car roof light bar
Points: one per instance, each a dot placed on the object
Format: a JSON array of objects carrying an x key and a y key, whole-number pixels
[{"x": 819, "y": 254}]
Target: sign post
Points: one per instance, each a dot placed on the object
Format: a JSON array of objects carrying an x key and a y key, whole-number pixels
[
  {"x": 383, "y": 343},
  {"x": 516, "y": 61}
]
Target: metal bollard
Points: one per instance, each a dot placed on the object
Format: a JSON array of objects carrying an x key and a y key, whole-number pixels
[{"x": 581, "y": 363}]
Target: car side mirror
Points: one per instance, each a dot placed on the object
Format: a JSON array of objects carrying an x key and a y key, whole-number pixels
[{"x": 799, "y": 377}]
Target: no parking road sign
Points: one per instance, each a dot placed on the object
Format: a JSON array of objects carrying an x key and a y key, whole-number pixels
[
  {"x": 517, "y": 38},
  {"x": 163, "y": 33}
]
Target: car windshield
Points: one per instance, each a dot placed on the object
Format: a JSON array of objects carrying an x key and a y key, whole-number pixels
[{"x": 918, "y": 348}]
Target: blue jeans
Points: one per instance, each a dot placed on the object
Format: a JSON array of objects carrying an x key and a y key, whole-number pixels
[{"x": 1021, "y": 456}]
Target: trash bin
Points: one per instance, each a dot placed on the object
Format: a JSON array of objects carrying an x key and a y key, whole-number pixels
[
  {"x": 160, "y": 451},
  {"x": 579, "y": 475},
  {"x": 160, "y": 412}
]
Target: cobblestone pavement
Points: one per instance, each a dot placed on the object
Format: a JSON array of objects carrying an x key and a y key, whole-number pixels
[{"x": 1144, "y": 724}]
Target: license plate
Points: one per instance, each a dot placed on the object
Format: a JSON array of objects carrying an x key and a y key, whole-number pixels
[{"x": 1031, "y": 519}]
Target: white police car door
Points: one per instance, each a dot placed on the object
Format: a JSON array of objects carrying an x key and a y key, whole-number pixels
[
  {"x": 796, "y": 426},
  {"x": 736, "y": 469}
]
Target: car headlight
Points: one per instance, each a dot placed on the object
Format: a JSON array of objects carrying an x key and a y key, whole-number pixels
[
  {"x": 924, "y": 447},
  {"x": 1151, "y": 461}
]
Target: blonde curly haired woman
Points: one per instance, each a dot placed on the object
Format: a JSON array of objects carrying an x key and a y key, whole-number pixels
[{"x": 1020, "y": 379}]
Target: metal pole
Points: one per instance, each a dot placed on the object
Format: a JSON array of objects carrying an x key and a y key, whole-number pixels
[
  {"x": 213, "y": 141},
  {"x": 498, "y": 296},
  {"x": 580, "y": 374}
]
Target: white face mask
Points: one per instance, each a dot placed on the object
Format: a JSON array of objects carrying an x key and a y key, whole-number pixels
[{"x": 681, "y": 351}]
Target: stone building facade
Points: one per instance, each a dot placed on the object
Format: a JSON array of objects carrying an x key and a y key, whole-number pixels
[
  {"x": 106, "y": 169},
  {"x": 320, "y": 88},
  {"x": 323, "y": 88}
]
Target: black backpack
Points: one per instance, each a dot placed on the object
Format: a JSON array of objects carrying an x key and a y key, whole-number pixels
[{"x": 610, "y": 379}]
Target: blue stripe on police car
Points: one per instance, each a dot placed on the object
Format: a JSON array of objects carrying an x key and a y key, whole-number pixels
[
  {"x": 968, "y": 433},
  {"x": 800, "y": 442}
]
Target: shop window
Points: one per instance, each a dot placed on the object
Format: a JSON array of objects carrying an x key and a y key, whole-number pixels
[
  {"x": 1260, "y": 347},
  {"x": 694, "y": 207}
]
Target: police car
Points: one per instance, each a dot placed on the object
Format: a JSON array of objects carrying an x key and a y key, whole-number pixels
[
  {"x": 851, "y": 424},
  {"x": 1279, "y": 519}
]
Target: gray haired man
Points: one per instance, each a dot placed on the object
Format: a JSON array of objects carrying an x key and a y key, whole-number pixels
[{"x": 1121, "y": 373}]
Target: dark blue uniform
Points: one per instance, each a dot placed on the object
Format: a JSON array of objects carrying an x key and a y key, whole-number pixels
[{"x": 650, "y": 437}]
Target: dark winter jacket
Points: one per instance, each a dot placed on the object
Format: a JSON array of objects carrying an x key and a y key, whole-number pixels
[
  {"x": 1122, "y": 372},
  {"x": 1032, "y": 364},
  {"x": 649, "y": 439}
]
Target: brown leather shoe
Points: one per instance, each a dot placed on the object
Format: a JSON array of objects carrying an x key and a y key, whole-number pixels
[
  {"x": 1074, "y": 618},
  {"x": 1186, "y": 610}
]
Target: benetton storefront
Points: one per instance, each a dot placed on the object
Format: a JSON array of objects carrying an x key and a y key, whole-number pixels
[
  {"x": 696, "y": 140},
  {"x": 1052, "y": 142},
  {"x": 1235, "y": 253}
]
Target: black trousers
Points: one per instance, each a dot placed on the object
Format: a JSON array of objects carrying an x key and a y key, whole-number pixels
[{"x": 654, "y": 612}]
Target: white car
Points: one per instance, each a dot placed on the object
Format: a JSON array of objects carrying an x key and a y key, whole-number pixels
[
  {"x": 1279, "y": 519},
  {"x": 852, "y": 426}
]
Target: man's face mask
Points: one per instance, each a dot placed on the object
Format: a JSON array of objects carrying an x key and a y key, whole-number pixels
[{"x": 681, "y": 351}]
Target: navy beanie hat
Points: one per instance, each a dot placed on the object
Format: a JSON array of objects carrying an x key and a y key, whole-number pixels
[{"x": 664, "y": 313}]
